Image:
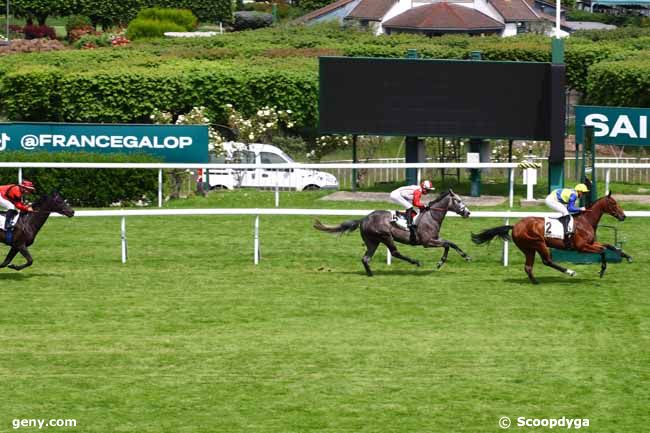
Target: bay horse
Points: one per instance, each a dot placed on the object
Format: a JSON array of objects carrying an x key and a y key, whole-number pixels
[
  {"x": 377, "y": 228},
  {"x": 528, "y": 235},
  {"x": 28, "y": 226}
]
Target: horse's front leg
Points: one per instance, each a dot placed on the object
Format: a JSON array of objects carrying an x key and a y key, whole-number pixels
[
  {"x": 462, "y": 253},
  {"x": 10, "y": 256},
  {"x": 620, "y": 251},
  {"x": 439, "y": 243},
  {"x": 598, "y": 249},
  {"x": 28, "y": 257}
]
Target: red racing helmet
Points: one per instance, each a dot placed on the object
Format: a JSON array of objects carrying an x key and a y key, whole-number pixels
[{"x": 27, "y": 185}]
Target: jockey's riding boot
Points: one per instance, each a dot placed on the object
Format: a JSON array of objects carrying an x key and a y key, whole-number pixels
[
  {"x": 9, "y": 227},
  {"x": 567, "y": 236},
  {"x": 9, "y": 216},
  {"x": 411, "y": 225}
]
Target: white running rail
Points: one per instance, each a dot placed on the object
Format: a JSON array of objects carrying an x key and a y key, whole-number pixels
[{"x": 123, "y": 213}]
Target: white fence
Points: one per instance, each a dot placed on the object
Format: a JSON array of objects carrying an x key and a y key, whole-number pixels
[
  {"x": 506, "y": 215},
  {"x": 626, "y": 169},
  {"x": 320, "y": 166}
]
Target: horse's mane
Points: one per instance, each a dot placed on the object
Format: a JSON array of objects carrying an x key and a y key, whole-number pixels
[
  {"x": 43, "y": 199},
  {"x": 440, "y": 197},
  {"x": 597, "y": 200}
]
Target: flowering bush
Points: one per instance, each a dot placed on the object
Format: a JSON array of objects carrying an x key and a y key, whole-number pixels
[
  {"x": 326, "y": 144},
  {"x": 118, "y": 41},
  {"x": 37, "y": 32},
  {"x": 261, "y": 126},
  {"x": 196, "y": 116},
  {"x": 519, "y": 151}
]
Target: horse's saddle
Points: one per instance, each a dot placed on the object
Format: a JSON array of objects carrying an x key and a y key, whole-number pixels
[
  {"x": 554, "y": 229},
  {"x": 3, "y": 216},
  {"x": 399, "y": 219}
]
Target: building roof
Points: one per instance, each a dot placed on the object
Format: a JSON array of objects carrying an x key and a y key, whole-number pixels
[
  {"x": 515, "y": 10},
  {"x": 324, "y": 10},
  {"x": 443, "y": 16},
  {"x": 372, "y": 10}
]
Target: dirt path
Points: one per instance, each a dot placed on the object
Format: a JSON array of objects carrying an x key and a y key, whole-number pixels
[{"x": 486, "y": 200}]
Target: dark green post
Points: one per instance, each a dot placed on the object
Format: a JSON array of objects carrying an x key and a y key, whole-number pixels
[
  {"x": 475, "y": 145},
  {"x": 556, "y": 165},
  {"x": 354, "y": 161},
  {"x": 414, "y": 148}
]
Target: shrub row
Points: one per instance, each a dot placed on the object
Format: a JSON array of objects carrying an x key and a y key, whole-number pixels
[
  {"x": 176, "y": 75},
  {"x": 119, "y": 12},
  {"x": 154, "y": 22},
  {"x": 50, "y": 94},
  {"x": 86, "y": 187},
  {"x": 623, "y": 84}
]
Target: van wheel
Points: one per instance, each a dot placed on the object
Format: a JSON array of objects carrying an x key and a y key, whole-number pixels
[
  {"x": 218, "y": 187},
  {"x": 311, "y": 188}
]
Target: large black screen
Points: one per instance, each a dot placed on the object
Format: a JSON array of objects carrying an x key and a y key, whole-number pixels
[{"x": 413, "y": 97}]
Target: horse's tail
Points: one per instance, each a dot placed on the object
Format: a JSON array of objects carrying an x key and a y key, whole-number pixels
[
  {"x": 346, "y": 227},
  {"x": 489, "y": 234}
]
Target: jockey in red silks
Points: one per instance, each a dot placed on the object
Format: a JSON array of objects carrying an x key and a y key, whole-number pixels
[
  {"x": 11, "y": 198},
  {"x": 411, "y": 198}
]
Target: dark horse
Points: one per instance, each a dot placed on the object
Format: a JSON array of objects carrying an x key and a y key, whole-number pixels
[
  {"x": 28, "y": 226},
  {"x": 377, "y": 228},
  {"x": 528, "y": 235}
]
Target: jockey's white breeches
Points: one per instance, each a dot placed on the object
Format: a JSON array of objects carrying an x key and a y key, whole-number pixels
[
  {"x": 555, "y": 204},
  {"x": 396, "y": 197},
  {"x": 6, "y": 203}
]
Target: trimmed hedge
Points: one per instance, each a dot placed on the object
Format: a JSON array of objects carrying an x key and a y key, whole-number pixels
[
  {"x": 623, "y": 84},
  {"x": 250, "y": 20},
  {"x": 125, "y": 85},
  {"x": 148, "y": 28},
  {"x": 86, "y": 187},
  {"x": 52, "y": 94}
]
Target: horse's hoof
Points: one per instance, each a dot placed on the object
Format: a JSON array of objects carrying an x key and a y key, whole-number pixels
[
  {"x": 468, "y": 259},
  {"x": 629, "y": 259},
  {"x": 417, "y": 263},
  {"x": 570, "y": 273},
  {"x": 439, "y": 264},
  {"x": 14, "y": 267},
  {"x": 535, "y": 282}
]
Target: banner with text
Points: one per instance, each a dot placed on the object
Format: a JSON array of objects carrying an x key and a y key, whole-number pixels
[
  {"x": 172, "y": 143},
  {"x": 614, "y": 125}
]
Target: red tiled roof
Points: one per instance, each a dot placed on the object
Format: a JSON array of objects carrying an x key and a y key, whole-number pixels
[
  {"x": 443, "y": 16},
  {"x": 515, "y": 10},
  {"x": 373, "y": 10},
  {"x": 324, "y": 10}
]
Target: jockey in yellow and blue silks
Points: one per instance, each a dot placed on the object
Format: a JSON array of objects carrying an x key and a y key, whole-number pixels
[{"x": 563, "y": 200}]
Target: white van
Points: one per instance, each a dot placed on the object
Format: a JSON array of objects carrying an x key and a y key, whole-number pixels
[{"x": 294, "y": 178}]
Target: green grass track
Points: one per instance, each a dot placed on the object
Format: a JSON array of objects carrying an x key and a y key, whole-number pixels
[{"x": 190, "y": 336}]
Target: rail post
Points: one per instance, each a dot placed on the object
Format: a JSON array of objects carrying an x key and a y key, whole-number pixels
[
  {"x": 608, "y": 176},
  {"x": 256, "y": 243},
  {"x": 20, "y": 175},
  {"x": 160, "y": 187},
  {"x": 125, "y": 252},
  {"x": 389, "y": 257}
]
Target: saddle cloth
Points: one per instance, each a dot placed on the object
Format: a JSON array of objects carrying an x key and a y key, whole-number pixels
[
  {"x": 554, "y": 229},
  {"x": 2, "y": 220},
  {"x": 399, "y": 219}
]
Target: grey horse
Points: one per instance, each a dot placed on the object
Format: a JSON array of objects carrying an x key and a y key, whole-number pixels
[{"x": 378, "y": 228}]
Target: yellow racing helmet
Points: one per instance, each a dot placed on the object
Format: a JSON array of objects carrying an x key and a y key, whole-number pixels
[{"x": 581, "y": 187}]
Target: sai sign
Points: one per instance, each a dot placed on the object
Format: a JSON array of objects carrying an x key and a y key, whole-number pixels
[
  {"x": 614, "y": 125},
  {"x": 172, "y": 143}
]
